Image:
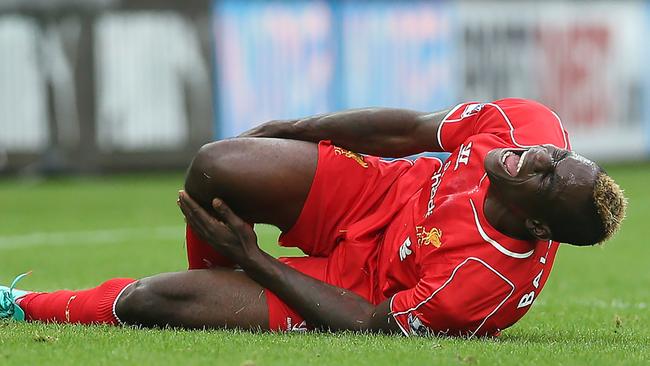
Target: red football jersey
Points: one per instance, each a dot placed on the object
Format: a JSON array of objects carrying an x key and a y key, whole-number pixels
[{"x": 448, "y": 271}]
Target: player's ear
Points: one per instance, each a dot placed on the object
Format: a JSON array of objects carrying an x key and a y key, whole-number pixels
[{"x": 538, "y": 229}]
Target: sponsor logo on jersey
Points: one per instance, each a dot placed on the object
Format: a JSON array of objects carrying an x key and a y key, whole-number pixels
[
  {"x": 463, "y": 155},
  {"x": 416, "y": 326},
  {"x": 351, "y": 155},
  {"x": 447, "y": 164},
  {"x": 436, "y": 178},
  {"x": 405, "y": 249},
  {"x": 428, "y": 237},
  {"x": 67, "y": 308},
  {"x": 472, "y": 109}
]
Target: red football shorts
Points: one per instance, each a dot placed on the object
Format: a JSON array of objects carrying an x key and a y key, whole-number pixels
[{"x": 350, "y": 202}]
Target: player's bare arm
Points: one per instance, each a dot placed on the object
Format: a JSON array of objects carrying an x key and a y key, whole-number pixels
[
  {"x": 322, "y": 305},
  {"x": 226, "y": 168},
  {"x": 376, "y": 131}
]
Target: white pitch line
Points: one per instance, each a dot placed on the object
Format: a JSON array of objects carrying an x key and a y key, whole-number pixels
[{"x": 91, "y": 237}]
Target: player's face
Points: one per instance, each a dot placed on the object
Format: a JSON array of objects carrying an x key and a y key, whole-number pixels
[{"x": 542, "y": 180}]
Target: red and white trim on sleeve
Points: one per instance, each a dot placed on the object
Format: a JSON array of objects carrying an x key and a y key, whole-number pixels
[
  {"x": 523, "y": 118},
  {"x": 512, "y": 128},
  {"x": 471, "y": 108}
]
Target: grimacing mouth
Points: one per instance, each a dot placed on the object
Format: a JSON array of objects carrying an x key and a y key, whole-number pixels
[{"x": 511, "y": 174}]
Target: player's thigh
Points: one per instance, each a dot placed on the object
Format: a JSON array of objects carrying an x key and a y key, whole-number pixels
[
  {"x": 214, "y": 298},
  {"x": 263, "y": 180}
]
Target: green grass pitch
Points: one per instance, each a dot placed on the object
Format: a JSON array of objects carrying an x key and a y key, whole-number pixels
[{"x": 75, "y": 233}]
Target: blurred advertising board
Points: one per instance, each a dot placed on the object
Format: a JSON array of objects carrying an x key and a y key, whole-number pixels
[
  {"x": 397, "y": 54},
  {"x": 97, "y": 86},
  {"x": 578, "y": 58},
  {"x": 274, "y": 60},
  {"x": 292, "y": 59},
  {"x": 148, "y": 66}
]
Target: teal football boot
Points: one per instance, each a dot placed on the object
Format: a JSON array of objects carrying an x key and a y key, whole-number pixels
[{"x": 8, "y": 296}]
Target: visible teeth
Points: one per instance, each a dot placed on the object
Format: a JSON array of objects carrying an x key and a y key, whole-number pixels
[
  {"x": 505, "y": 156},
  {"x": 521, "y": 160}
]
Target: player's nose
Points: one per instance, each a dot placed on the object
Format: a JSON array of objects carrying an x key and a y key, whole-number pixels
[{"x": 542, "y": 161}]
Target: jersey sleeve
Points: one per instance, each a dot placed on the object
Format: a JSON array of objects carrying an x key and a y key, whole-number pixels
[
  {"x": 460, "y": 304},
  {"x": 518, "y": 122}
]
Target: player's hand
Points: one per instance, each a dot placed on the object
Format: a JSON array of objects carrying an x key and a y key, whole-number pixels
[
  {"x": 268, "y": 129},
  {"x": 223, "y": 229}
]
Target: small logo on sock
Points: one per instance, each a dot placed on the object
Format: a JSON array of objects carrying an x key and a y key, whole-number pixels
[{"x": 67, "y": 308}]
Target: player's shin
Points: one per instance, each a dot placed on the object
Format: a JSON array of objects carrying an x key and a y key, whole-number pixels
[
  {"x": 200, "y": 254},
  {"x": 92, "y": 306}
]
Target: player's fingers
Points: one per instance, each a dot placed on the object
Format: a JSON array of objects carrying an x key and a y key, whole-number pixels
[
  {"x": 190, "y": 217},
  {"x": 225, "y": 214},
  {"x": 195, "y": 214},
  {"x": 178, "y": 203},
  {"x": 189, "y": 202},
  {"x": 201, "y": 217}
]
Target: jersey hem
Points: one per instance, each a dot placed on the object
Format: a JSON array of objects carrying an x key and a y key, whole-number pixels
[{"x": 392, "y": 313}]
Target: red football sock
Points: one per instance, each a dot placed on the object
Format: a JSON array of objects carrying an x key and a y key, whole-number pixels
[
  {"x": 200, "y": 254},
  {"x": 92, "y": 306}
]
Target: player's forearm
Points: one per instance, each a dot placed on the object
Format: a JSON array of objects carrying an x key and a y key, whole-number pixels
[
  {"x": 322, "y": 305},
  {"x": 376, "y": 131}
]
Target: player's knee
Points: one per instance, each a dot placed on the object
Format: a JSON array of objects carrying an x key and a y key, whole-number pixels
[
  {"x": 155, "y": 301},
  {"x": 202, "y": 178},
  {"x": 138, "y": 303}
]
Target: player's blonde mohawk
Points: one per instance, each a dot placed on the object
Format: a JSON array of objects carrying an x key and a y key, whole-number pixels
[{"x": 611, "y": 204}]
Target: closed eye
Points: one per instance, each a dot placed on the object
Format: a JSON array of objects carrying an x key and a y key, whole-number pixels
[
  {"x": 546, "y": 183},
  {"x": 549, "y": 177},
  {"x": 559, "y": 155}
]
